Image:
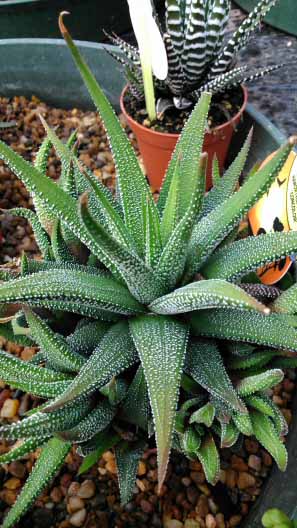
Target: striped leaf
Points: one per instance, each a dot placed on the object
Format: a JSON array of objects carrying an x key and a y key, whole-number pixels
[
  {"x": 161, "y": 343},
  {"x": 226, "y": 185},
  {"x": 265, "y": 330},
  {"x": 114, "y": 354},
  {"x": 96, "y": 421},
  {"x": 249, "y": 254},
  {"x": 21, "y": 449},
  {"x": 127, "y": 460},
  {"x": 76, "y": 286},
  {"x": 53, "y": 346},
  {"x": 259, "y": 382},
  {"x": 206, "y": 294},
  {"x": 184, "y": 167},
  {"x": 213, "y": 228},
  {"x": 210, "y": 460},
  {"x": 86, "y": 337},
  {"x": 205, "y": 365},
  {"x": 132, "y": 184},
  {"x": 49, "y": 462},
  {"x": 265, "y": 433},
  {"x": 135, "y": 407}
]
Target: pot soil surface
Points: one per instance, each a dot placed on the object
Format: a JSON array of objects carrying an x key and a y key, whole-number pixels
[
  {"x": 223, "y": 108},
  {"x": 92, "y": 499}
]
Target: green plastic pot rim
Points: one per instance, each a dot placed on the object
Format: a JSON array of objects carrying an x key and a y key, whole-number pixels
[{"x": 161, "y": 135}]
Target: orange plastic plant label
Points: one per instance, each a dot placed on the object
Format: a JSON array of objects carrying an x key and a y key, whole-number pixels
[{"x": 270, "y": 214}]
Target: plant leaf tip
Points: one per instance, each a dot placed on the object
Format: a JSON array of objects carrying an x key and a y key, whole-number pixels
[{"x": 62, "y": 26}]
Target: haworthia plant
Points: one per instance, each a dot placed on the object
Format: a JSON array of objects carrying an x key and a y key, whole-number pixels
[
  {"x": 126, "y": 310},
  {"x": 199, "y": 59}
]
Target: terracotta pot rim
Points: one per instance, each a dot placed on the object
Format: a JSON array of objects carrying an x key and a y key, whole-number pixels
[{"x": 214, "y": 131}]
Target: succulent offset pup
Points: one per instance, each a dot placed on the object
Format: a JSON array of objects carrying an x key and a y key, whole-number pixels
[
  {"x": 146, "y": 321},
  {"x": 198, "y": 58}
]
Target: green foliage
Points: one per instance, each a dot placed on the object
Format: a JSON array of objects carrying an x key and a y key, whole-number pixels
[
  {"x": 132, "y": 340},
  {"x": 198, "y": 58},
  {"x": 274, "y": 518}
]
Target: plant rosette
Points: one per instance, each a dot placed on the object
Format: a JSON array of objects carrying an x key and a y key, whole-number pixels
[
  {"x": 156, "y": 148},
  {"x": 276, "y": 211}
]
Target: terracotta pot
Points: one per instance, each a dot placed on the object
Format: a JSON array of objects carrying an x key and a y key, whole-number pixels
[{"x": 156, "y": 148}]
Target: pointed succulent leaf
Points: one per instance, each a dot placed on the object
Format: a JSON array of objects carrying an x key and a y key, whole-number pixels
[
  {"x": 265, "y": 330},
  {"x": 42, "y": 424},
  {"x": 204, "y": 415},
  {"x": 172, "y": 261},
  {"x": 85, "y": 338},
  {"x": 261, "y": 403},
  {"x": 131, "y": 181},
  {"x": 97, "y": 420},
  {"x": 243, "y": 423},
  {"x": 144, "y": 284},
  {"x": 135, "y": 406},
  {"x": 22, "y": 448},
  {"x": 241, "y": 36},
  {"x": 255, "y": 359},
  {"x": 115, "y": 390},
  {"x": 127, "y": 460},
  {"x": 259, "y": 382},
  {"x": 229, "y": 435},
  {"x": 42, "y": 156},
  {"x": 225, "y": 187},
  {"x": 266, "y": 434},
  {"x": 103, "y": 292},
  {"x": 53, "y": 345},
  {"x": 249, "y": 254},
  {"x": 206, "y": 294},
  {"x": 59, "y": 246},
  {"x": 204, "y": 363},
  {"x": 51, "y": 459},
  {"x": 161, "y": 343},
  {"x": 287, "y": 301},
  {"x": 183, "y": 170},
  {"x": 184, "y": 166},
  {"x": 153, "y": 241},
  {"x": 274, "y": 518},
  {"x": 213, "y": 228},
  {"x": 209, "y": 458},
  {"x": 114, "y": 354},
  {"x": 191, "y": 442}
]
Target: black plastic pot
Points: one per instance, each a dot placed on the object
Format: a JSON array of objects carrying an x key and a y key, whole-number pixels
[
  {"x": 44, "y": 68},
  {"x": 282, "y": 15},
  {"x": 38, "y": 18}
]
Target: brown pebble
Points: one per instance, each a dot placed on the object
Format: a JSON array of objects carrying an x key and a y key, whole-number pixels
[
  {"x": 191, "y": 523},
  {"x": 56, "y": 495},
  {"x": 73, "y": 488},
  {"x": 141, "y": 469},
  {"x": 235, "y": 520},
  {"x": 87, "y": 490},
  {"x": 210, "y": 521},
  {"x": 74, "y": 504},
  {"x": 192, "y": 494},
  {"x": 186, "y": 481},
  {"x": 198, "y": 477},
  {"x": 173, "y": 523},
  {"x": 220, "y": 520},
  {"x": 10, "y": 408},
  {"x": 255, "y": 462},
  {"x": 78, "y": 518},
  {"x": 231, "y": 478},
  {"x": 12, "y": 483},
  {"x": 238, "y": 463},
  {"x": 17, "y": 469},
  {"x": 245, "y": 480},
  {"x": 202, "y": 507}
]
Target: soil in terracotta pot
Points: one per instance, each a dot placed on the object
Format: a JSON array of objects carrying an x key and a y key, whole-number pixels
[
  {"x": 222, "y": 109},
  {"x": 92, "y": 499}
]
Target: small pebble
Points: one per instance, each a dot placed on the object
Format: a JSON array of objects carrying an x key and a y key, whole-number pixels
[
  {"x": 10, "y": 408},
  {"x": 74, "y": 504},
  {"x": 210, "y": 521},
  {"x": 78, "y": 518},
  {"x": 87, "y": 489}
]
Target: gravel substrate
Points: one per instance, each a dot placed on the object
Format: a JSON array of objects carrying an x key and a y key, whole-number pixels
[{"x": 92, "y": 499}]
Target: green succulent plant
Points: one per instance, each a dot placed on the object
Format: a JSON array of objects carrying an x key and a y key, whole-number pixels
[
  {"x": 199, "y": 59},
  {"x": 274, "y": 518},
  {"x": 145, "y": 322}
]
